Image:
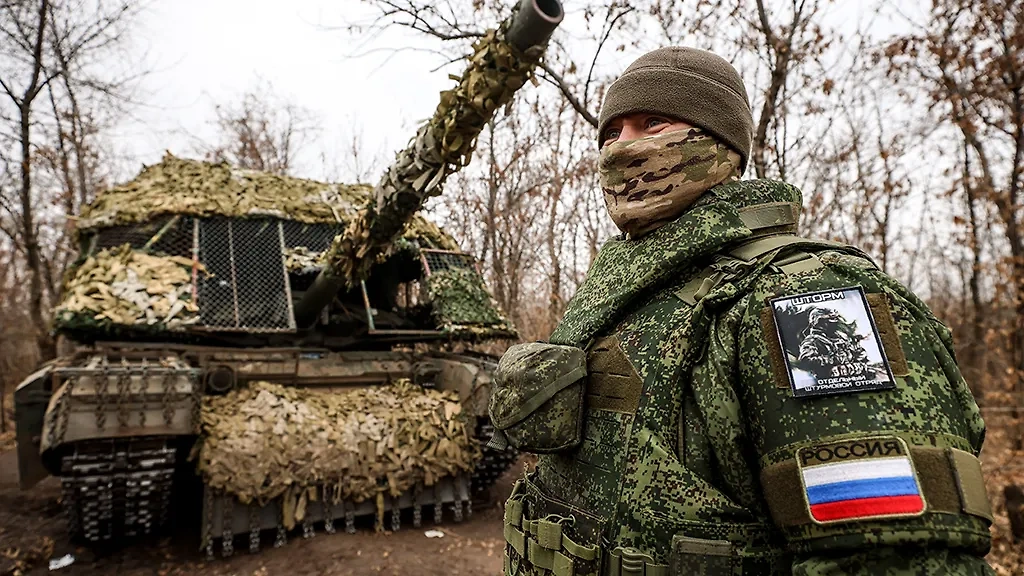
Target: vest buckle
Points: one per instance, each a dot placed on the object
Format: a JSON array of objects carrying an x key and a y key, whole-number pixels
[{"x": 625, "y": 561}]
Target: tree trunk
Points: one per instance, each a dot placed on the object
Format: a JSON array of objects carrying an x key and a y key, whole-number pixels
[
  {"x": 81, "y": 150},
  {"x": 976, "y": 357},
  {"x": 1017, "y": 341},
  {"x": 28, "y": 232},
  {"x": 555, "y": 276},
  {"x": 491, "y": 223},
  {"x": 31, "y": 238},
  {"x": 783, "y": 50}
]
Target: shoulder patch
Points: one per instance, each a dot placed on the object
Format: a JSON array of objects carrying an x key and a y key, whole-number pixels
[
  {"x": 859, "y": 479},
  {"x": 830, "y": 343}
]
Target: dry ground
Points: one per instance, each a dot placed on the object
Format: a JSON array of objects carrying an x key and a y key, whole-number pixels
[
  {"x": 1003, "y": 466},
  {"x": 32, "y": 532}
]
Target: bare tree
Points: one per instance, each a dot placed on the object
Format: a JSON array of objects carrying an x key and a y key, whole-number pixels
[
  {"x": 571, "y": 224},
  {"x": 50, "y": 45},
  {"x": 778, "y": 48},
  {"x": 970, "y": 59},
  {"x": 261, "y": 132},
  {"x": 24, "y": 26},
  {"x": 354, "y": 161},
  {"x": 574, "y": 78}
]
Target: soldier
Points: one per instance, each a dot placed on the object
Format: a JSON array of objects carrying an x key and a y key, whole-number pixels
[
  {"x": 685, "y": 449},
  {"x": 831, "y": 342}
]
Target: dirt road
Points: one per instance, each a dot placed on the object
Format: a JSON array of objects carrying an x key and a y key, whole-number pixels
[{"x": 32, "y": 532}]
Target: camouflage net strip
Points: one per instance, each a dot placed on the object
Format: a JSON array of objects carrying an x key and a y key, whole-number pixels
[
  {"x": 461, "y": 304},
  {"x": 182, "y": 186},
  {"x": 424, "y": 234},
  {"x": 302, "y": 260},
  {"x": 204, "y": 189},
  {"x": 123, "y": 286},
  {"x": 267, "y": 441},
  {"x": 441, "y": 146}
]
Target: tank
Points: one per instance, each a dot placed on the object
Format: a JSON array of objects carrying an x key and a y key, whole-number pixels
[{"x": 276, "y": 353}]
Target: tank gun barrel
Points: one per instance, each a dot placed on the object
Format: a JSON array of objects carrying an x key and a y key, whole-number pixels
[
  {"x": 534, "y": 23},
  {"x": 503, "y": 60}
]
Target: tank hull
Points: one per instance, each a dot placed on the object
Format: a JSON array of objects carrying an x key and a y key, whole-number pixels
[{"x": 122, "y": 418}]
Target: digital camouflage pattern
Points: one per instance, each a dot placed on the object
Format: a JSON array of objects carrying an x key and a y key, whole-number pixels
[
  {"x": 537, "y": 397},
  {"x": 265, "y": 440},
  {"x": 649, "y": 181},
  {"x": 461, "y": 304},
  {"x": 689, "y": 479}
]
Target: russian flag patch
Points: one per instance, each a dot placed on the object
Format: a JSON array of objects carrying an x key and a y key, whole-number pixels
[{"x": 860, "y": 479}]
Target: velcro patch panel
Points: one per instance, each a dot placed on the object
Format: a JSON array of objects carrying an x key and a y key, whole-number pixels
[
  {"x": 859, "y": 479},
  {"x": 872, "y": 478}
]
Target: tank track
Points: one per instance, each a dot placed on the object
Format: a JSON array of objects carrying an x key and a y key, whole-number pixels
[
  {"x": 117, "y": 488},
  {"x": 225, "y": 517},
  {"x": 493, "y": 463}
]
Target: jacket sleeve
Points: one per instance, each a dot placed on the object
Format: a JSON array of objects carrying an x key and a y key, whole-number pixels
[{"x": 873, "y": 479}]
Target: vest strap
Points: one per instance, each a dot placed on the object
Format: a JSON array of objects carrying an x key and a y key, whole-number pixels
[
  {"x": 754, "y": 249},
  {"x": 543, "y": 543},
  {"x": 578, "y": 550},
  {"x": 770, "y": 215},
  {"x": 516, "y": 538},
  {"x": 797, "y": 262},
  {"x": 742, "y": 256}
]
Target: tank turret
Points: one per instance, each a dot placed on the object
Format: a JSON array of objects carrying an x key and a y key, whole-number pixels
[{"x": 503, "y": 60}]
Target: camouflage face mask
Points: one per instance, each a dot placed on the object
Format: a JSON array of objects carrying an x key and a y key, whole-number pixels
[{"x": 651, "y": 181}]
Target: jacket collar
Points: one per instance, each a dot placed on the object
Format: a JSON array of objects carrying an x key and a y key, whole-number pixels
[{"x": 627, "y": 271}]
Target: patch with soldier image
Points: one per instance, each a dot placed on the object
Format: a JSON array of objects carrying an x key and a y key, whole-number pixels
[{"x": 830, "y": 343}]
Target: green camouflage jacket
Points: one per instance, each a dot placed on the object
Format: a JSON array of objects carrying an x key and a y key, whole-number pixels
[{"x": 708, "y": 448}]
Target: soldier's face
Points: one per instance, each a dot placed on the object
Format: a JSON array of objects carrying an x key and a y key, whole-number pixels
[{"x": 638, "y": 125}]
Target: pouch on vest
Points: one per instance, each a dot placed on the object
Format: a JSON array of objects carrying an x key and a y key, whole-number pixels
[{"x": 536, "y": 400}]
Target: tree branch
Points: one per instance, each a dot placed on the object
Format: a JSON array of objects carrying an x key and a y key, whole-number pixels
[
  {"x": 611, "y": 22},
  {"x": 556, "y": 79}
]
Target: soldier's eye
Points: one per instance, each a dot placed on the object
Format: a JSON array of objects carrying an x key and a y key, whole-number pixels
[
  {"x": 610, "y": 134},
  {"x": 654, "y": 121}
]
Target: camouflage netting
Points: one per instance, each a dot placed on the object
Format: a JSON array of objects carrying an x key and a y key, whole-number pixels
[
  {"x": 302, "y": 260},
  {"x": 126, "y": 287},
  {"x": 267, "y": 440},
  {"x": 182, "y": 186},
  {"x": 441, "y": 146},
  {"x": 192, "y": 187},
  {"x": 461, "y": 304},
  {"x": 425, "y": 234}
]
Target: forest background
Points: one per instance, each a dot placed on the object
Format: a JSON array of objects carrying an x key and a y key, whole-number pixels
[{"x": 902, "y": 122}]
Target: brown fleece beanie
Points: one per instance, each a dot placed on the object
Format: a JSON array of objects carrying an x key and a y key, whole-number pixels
[{"x": 692, "y": 85}]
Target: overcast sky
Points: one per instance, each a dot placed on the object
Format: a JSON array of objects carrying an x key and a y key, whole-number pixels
[{"x": 208, "y": 52}]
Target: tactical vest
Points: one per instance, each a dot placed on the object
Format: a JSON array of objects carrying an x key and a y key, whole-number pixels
[{"x": 640, "y": 491}]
